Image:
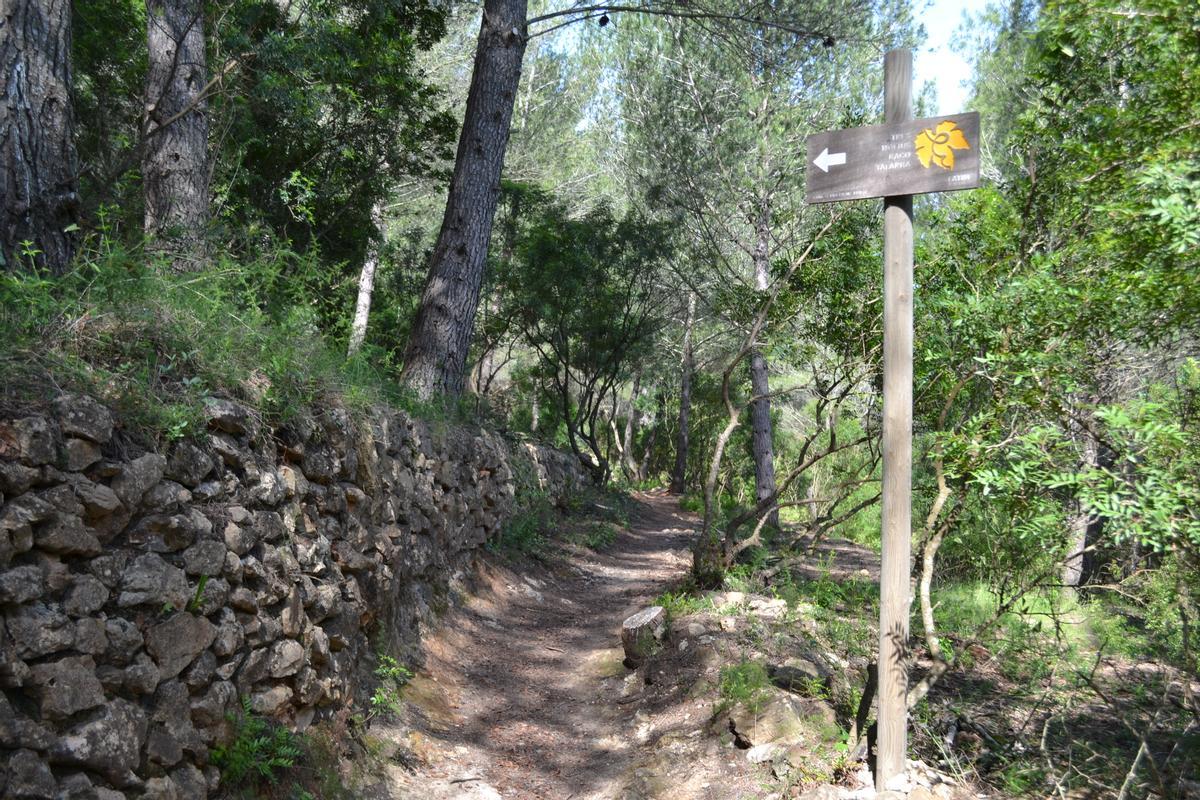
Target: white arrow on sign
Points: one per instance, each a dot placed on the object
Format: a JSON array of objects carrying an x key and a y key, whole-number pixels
[{"x": 828, "y": 159}]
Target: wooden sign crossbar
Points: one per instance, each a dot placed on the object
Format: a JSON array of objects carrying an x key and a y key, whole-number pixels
[{"x": 936, "y": 154}]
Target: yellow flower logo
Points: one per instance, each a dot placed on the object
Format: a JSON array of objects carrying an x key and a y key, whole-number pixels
[{"x": 938, "y": 145}]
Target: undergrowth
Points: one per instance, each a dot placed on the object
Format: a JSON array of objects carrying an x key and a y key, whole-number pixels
[
  {"x": 746, "y": 683},
  {"x": 259, "y": 751},
  {"x": 153, "y": 344}
]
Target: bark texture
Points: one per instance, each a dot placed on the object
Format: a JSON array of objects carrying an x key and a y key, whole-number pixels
[
  {"x": 175, "y": 156},
  {"x": 679, "y": 473},
  {"x": 760, "y": 386},
  {"x": 628, "y": 460},
  {"x": 760, "y": 433},
  {"x": 39, "y": 198},
  {"x": 366, "y": 287},
  {"x": 436, "y": 355},
  {"x": 1083, "y": 528}
]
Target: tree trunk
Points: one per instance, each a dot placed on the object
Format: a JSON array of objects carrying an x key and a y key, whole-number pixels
[
  {"x": 643, "y": 470},
  {"x": 760, "y": 409},
  {"x": 435, "y": 359},
  {"x": 641, "y": 634},
  {"x": 629, "y": 463},
  {"x": 39, "y": 199},
  {"x": 1080, "y": 523},
  {"x": 175, "y": 158},
  {"x": 760, "y": 423},
  {"x": 679, "y": 474},
  {"x": 366, "y": 286}
]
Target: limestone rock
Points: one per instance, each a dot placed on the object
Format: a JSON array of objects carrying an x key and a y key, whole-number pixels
[
  {"x": 786, "y": 720},
  {"x": 228, "y": 416},
  {"x": 124, "y": 640},
  {"x": 79, "y": 415},
  {"x": 97, "y": 499},
  {"x": 190, "y": 782},
  {"x": 151, "y": 581},
  {"x": 80, "y": 454},
  {"x": 211, "y": 707},
  {"x": 160, "y": 789},
  {"x": 38, "y": 630},
  {"x": 19, "y": 516},
  {"x": 20, "y": 584},
  {"x": 87, "y": 595},
  {"x": 228, "y": 639},
  {"x": 239, "y": 536},
  {"x": 800, "y": 675},
  {"x": 162, "y": 747},
  {"x": 271, "y": 701},
  {"x": 108, "y": 743},
  {"x": 109, "y": 568},
  {"x": 166, "y": 497},
  {"x": 136, "y": 478},
  {"x": 90, "y": 636},
  {"x": 823, "y": 792},
  {"x": 76, "y": 787},
  {"x": 292, "y": 617},
  {"x": 141, "y": 677},
  {"x": 16, "y": 478},
  {"x": 31, "y": 440},
  {"x": 162, "y": 533},
  {"x": 214, "y": 596},
  {"x": 188, "y": 464},
  {"x": 175, "y": 643},
  {"x": 67, "y": 687},
  {"x": 29, "y": 777},
  {"x": 200, "y": 673},
  {"x": 206, "y": 557},
  {"x": 287, "y": 656}
]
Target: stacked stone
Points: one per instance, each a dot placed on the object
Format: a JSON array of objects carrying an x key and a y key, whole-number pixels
[{"x": 141, "y": 595}]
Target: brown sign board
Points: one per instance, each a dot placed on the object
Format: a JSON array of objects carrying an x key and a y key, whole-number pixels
[{"x": 936, "y": 154}]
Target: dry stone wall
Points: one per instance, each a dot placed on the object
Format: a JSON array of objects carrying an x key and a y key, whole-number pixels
[{"x": 143, "y": 595}]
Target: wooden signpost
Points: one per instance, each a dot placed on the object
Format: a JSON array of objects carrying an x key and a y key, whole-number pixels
[{"x": 894, "y": 161}]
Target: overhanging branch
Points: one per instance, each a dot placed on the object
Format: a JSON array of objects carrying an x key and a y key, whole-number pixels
[{"x": 582, "y": 13}]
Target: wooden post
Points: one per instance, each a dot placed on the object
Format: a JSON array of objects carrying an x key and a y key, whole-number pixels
[{"x": 894, "y": 580}]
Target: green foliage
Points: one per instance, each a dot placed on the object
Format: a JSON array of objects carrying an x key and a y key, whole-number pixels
[
  {"x": 155, "y": 344},
  {"x": 682, "y": 601},
  {"x": 746, "y": 684},
  {"x": 524, "y": 533},
  {"x": 259, "y": 751},
  {"x": 194, "y": 603},
  {"x": 1152, "y": 494},
  {"x": 582, "y": 292},
  {"x": 392, "y": 677},
  {"x": 594, "y": 535}
]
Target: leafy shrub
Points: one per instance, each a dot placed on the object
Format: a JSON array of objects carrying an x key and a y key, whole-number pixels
[
  {"x": 260, "y": 750},
  {"x": 393, "y": 676},
  {"x": 154, "y": 344},
  {"x": 681, "y": 602},
  {"x": 746, "y": 683},
  {"x": 524, "y": 532}
]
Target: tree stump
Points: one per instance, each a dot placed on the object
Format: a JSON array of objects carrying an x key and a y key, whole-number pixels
[{"x": 641, "y": 632}]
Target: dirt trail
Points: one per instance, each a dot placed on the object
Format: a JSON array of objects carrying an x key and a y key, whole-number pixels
[{"x": 517, "y": 699}]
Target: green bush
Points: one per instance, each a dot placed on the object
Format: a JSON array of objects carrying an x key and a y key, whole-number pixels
[
  {"x": 154, "y": 344},
  {"x": 524, "y": 532},
  {"x": 392, "y": 676},
  {"x": 746, "y": 684},
  {"x": 259, "y": 752}
]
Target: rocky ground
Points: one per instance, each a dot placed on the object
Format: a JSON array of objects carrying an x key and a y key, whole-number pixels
[{"x": 524, "y": 693}]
